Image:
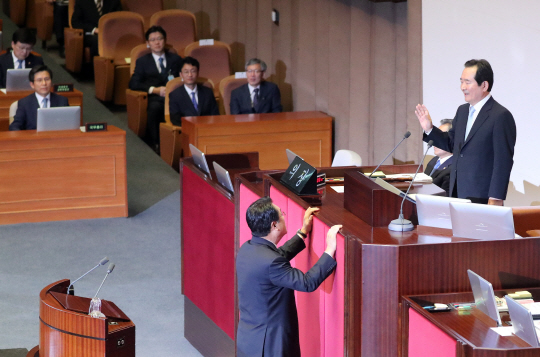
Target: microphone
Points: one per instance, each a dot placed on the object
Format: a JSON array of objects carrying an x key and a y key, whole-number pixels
[
  {"x": 407, "y": 134},
  {"x": 109, "y": 270},
  {"x": 401, "y": 224},
  {"x": 71, "y": 290}
]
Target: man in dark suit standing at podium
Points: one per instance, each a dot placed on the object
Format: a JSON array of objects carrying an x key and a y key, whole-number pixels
[
  {"x": 257, "y": 95},
  {"x": 268, "y": 323},
  {"x": 26, "y": 115},
  {"x": 191, "y": 99},
  {"x": 440, "y": 166},
  {"x": 482, "y": 139},
  {"x": 20, "y": 56}
]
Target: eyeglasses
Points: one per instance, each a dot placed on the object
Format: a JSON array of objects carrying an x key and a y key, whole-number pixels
[
  {"x": 192, "y": 71},
  {"x": 42, "y": 80},
  {"x": 254, "y": 71},
  {"x": 155, "y": 39}
]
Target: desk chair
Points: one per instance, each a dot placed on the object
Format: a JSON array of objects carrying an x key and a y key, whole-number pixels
[
  {"x": 346, "y": 158},
  {"x": 180, "y": 26},
  {"x": 44, "y": 21},
  {"x": 145, "y": 8},
  {"x": 526, "y": 220},
  {"x": 75, "y": 51},
  {"x": 226, "y": 86}
]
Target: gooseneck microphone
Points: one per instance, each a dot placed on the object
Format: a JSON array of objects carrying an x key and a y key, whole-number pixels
[
  {"x": 401, "y": 224},
  {"x": 109, "y": 270},
  {"x": 71, "y": 290},
  {"x": 407, "y": 134}
]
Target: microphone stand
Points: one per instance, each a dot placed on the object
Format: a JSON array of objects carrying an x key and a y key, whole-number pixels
[{"x": 407, "y": 134}]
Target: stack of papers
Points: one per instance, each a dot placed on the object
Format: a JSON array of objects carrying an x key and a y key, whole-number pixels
[{"x": 420, "y": 177}]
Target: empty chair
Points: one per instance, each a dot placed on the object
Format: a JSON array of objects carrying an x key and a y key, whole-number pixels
[
  {"x": 346, "y": 158},
  {"x": 119, "y": 33},
  {"x": 215, "y": 61},
  {"x": 180, "y": 26},
  {"x": 145, "y": 8},
  {"x": 227, "y": 85}
]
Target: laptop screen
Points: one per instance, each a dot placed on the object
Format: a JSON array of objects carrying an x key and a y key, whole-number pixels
[
  {"x": 434, "y": 211},
  {"x": 522, "y": 322},
  {"x": 476, "y": 221},
  {"x": 59, "y": 118},
  {"x": 484, "y": 297}
]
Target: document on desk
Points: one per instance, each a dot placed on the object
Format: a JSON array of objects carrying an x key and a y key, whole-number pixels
[
  {"x": 504, "y": 330},
  {"x": 420, "y": 177},
  {"x": 338, "y": 189}
]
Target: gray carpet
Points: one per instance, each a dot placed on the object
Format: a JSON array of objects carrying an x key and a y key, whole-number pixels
[
  {"x": 14, "y": 352},
  {"x": 145, "y": 248}
]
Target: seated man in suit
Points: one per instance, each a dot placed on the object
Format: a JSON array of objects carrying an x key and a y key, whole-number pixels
[
  {"x": 268, "y": 323},
  {"x": 439, "y": 167},
  {"x": 86, "y": 14},
  {"x": 41, "y": 81},
  {"x": 152, "y": 72},
  {"x": 257, "y": 96},
  {"x": 191, "y": 99},
  {"x": 20, "y": 56}
]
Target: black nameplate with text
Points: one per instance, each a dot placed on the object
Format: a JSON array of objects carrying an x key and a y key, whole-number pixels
[
  {"x": 300, "y": 177},
  {"x": 96, "y": 127},
  {"x": 63, "y": 87}
]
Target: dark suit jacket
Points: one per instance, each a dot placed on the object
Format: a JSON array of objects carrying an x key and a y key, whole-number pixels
[
  {"x": 6, "y": 62},
  {"x": 482, "y": 164},
  {"x": 85, "y": 15},
  {"x": 146, "y": 74},
  {"x": 26, "y": 115},
  {"x": 180, "y": 104},
  {"x": 269, "y": 99},
  {"x": 441, "y": 176},
  {"x": 266, "y": 284}
]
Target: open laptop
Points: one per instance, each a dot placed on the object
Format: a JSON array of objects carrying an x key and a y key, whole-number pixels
[
  {"x": 476, "y": 221},
  {"x": 484, "y": 297},
  {"x": 17, "y": 80},
  {"x": 522, "y": 322},
  {"x": 434, "y": 211},
  {"x": 59, "y": 118},
  {"x": 223, "y": 177},
  {"x": 200, "y": 160}
]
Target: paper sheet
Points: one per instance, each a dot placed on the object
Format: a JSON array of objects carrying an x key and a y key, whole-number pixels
[{"x": 338, "y": 189}]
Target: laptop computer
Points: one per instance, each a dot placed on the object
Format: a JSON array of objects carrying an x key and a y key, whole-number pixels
[
  {"x": 200, "y": 160},
  {"x": 522, "y": 322},
  {"x": 434, "y": 211},
  {"x": 476, "y": 221},
  {"x": 17, "y": 80},
  {"x": 484, "y": 297},
  {"x": 223, "y": 177},
  {"x": 59, "y": 118}
]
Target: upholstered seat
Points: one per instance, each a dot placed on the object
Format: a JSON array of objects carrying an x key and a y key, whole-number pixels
[{"x": 180, "y": 26}]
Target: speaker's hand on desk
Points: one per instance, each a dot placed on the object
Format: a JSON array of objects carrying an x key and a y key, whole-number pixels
[
  {"x": 308, "y": 220},
  {"x": 331, "y": 240}
]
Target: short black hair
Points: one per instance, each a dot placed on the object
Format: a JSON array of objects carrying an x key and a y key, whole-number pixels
[
  {"x": 36, "y": 69},
  {"x": 190, "y": 60},
  {"x": 260, "y": 215},
  {"x": 483, "y": 72},
  {"x": 447, "y": 121},
  {"x": 153, "y": 29},
  {"x": 24, "y": 35}
]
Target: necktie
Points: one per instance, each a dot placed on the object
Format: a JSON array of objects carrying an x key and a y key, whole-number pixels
[
  {"x": 99, "y": 7},
  {"x": 470, "y": 122},
  {"x": 194, "y": 100},
  {"x": 255, "y": 98},
  {"x": 437, "y": 165},
  {"x": 161, "y": 66},
  {"x": 20, "y": 64},
  {"x": 44, "y": 103}
]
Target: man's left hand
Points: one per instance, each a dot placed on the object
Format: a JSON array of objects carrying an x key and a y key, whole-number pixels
[{"x": 308, "y": 219}]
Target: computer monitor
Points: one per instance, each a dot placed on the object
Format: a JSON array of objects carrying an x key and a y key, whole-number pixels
[
  {"x": 59, "y": 118},
  {"x": 223, "y": 177},
  {"x": 484, "y": 297},
  {"x": 476, "y": 221},
  {"x": 17, "y": 80},
  {"x": 434, "y": 211},
  {"x": 200, "y": 160},
  {"x": 522, "y": 322}
]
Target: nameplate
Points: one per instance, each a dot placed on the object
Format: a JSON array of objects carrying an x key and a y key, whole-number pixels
[
  {"x": 240, "y": 75},
  {"x": 96, "y": 127},
  {"x": 206, "y": 42},
  {"x": 300, "y": 177},
  {"x": 63, "y": 87}
]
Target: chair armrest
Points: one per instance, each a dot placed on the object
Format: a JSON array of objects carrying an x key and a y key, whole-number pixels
[
  {"x": 170, "y": 137},
  {"x": 137, "y": 103},
  {"x": 73, "y": 44},
  {"x": 104, "y": 78}
]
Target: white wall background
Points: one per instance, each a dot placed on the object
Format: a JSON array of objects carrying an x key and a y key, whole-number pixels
[{"x": 507, "y": 34}]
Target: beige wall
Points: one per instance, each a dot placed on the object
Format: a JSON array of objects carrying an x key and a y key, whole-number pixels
[{"x": 353, "y": 59}]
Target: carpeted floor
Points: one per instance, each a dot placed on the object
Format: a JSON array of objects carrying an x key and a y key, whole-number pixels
[{"x": 14, "y": 352}]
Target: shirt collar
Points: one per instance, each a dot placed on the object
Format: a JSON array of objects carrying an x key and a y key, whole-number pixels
[
  {"x": 189, "y": 91},
  {"x": 443, "y": 160},
  {"x": 478, "y": 106},
  {"x": 15, "y": 60},
  {"x": 251, "y": 88},
  {"x": 40, "y": 98}
]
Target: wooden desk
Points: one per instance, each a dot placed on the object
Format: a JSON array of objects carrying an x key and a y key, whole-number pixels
[
  {"x": 308, "y": 134},
  {"x": 357, "y": 311},
  {"x": 62, "y": 175},
  {"x": 457, "y": 334},
  {"x": 6, "y": 99}
]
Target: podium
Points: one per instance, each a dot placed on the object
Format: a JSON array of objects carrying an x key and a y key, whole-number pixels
[{"x": 66, "y": 329}]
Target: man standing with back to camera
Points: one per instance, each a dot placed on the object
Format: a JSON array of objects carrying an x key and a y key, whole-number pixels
[
  {"x": 482, "y": 139},
  {"x": 268, "y": 323}
]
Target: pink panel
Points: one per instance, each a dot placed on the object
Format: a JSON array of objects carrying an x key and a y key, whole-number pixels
[
  {"x": 282, "y": 202},
  {"x": 247, "y": 197},
  {"x": 334, "y": 302},
  {"x": 310, "y": 306},
  {"x": 427, "y": 340}
]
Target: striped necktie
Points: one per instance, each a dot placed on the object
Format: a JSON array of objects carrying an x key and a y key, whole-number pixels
[
  {"x": 437, "y": 165},
  {"x": 20, "y": 64},
  {"x": 44, "y": 103},
  {"x": 99, "y": 7},
  {"x": 194, "y": 100}
]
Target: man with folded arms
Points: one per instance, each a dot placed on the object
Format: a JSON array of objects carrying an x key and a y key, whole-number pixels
[{"x": 41, "y": 81}]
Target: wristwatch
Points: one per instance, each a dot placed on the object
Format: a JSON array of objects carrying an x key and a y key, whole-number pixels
[{"x": 301, "y": 234}]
